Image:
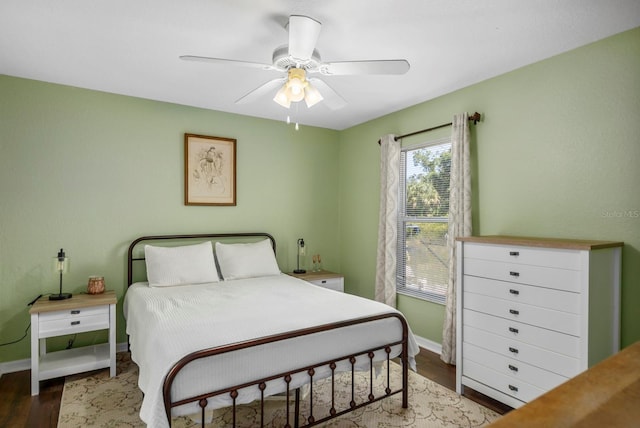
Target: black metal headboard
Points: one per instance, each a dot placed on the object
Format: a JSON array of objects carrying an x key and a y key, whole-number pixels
[{"x": 131, "y": 258}]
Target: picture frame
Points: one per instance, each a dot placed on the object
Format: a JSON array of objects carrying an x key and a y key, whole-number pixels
[{"x": 209, "y": 170}]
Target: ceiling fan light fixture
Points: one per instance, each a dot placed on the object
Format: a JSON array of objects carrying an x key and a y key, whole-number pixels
[
  {"x": 296, "y": 84},
  {"x": 296, "y": 89}
]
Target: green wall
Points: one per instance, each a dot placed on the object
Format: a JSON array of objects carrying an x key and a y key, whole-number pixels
[
  {"x": 90, "y": 172},
  {"x": 556, "y": 154}
]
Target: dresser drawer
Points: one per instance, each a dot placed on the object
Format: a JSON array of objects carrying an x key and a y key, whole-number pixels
[
  {"x": 506, "y": 384},
  {"x": 559, "y": 300},
  {"x": 558, "y": 258},
  {"x": 563, "y": 322},
  {"x": 547, "y": 339},
  {"x": 561, "y": 279},
  {"x": 73, "y": 321},
  {"x": 521, "y": 351},
  {"x": 515, "y": 369}
]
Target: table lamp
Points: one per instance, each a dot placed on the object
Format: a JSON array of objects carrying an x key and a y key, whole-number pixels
[
  {"x": 60, "y": 266},
  {"x": 302, "y": 251}
]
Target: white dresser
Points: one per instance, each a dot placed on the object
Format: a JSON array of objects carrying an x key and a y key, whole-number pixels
[{"x": 533, "y": 312}]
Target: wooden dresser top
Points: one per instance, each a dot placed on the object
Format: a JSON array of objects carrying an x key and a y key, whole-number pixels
[{"x": 568, "y": 244}]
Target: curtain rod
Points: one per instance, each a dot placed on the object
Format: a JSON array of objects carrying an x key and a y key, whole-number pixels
[{"x": 475, "y": 117}]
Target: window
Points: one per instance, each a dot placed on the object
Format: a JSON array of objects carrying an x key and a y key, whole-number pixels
[{"x": 423, "y": 258}]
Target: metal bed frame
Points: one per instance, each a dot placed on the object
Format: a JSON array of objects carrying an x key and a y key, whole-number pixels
[{"x": 310, "y": 420}]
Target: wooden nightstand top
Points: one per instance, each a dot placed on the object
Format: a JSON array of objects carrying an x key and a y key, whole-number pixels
[
  {"x": 76, "y": 301},
  {"x": 312, "y": 276}
]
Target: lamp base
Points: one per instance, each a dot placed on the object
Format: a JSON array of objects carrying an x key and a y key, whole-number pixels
[
  {"x": 60, "y": 296},
  {"x": 299, "y": 271}
]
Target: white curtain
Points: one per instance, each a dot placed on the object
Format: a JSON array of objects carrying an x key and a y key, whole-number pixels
[
  {"x": 459, "y": 224},
  {"x": 388, "y": 220}
]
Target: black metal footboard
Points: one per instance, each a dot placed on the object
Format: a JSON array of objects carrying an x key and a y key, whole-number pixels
[{"x": 292, "y": 417}]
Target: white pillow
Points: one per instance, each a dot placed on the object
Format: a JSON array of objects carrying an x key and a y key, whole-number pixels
[
  {"x": 238, "y": 261},
  {"x": 189, "y": 264}
]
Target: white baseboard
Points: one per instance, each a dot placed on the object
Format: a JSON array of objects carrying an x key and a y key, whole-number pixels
[
  {"x": 20, "y": 365},
  {"x": 429, "y": 345}
]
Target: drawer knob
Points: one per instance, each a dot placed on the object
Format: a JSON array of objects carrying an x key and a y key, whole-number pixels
[
  {"x": 513, "y": 368},
  {"x": 516, "y": 274},
  {"x": 515, "y": 292},
  {"x": 514, "y": 253},
  {"x": 514, "y": 311},
  {"x": 75, "y": 312},
  {"x": 324, "y": 281},
  {"x": 514, "y": 350},
  {"x": 75, "y": 322},
  {"x": 513, "y": 330},
  {"x": 513, "y": 388}
]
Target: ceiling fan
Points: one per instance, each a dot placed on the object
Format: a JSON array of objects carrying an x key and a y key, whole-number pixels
[{"x": 299, "y": 59}]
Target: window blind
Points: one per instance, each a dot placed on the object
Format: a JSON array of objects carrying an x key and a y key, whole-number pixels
[{"x": 423, "y": 258}]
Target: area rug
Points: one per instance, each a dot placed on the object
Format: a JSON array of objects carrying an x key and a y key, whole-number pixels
[{"x": 96, "y": 400}]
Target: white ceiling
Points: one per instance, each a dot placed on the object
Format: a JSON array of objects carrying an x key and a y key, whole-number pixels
[{"x": 131, "y": 47}]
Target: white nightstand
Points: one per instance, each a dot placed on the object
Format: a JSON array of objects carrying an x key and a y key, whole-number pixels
[
  {"x": 323, "y": 278},
  {"x": 79, "y": 314}
]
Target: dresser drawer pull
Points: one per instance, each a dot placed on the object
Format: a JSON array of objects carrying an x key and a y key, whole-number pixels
[
  {"x": 513, "y": 368},
  {"x": 514, "y": 350},
  {"x": 513, "y": 330},
  {"x": 516, "y": 274},
  {"x": 75, "y": 312},
  {"x": 324, "y": 281},
  {"x": 514, "y": 253},
  {"x": 513, "y": 388},
  {"x": 512, "y": 291},
  {"x": 75, "y": 322},
  {"x": 514, "y": 311}
]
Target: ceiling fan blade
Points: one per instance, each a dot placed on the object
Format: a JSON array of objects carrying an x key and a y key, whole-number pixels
[
  {"x": 303, "y": 35},
  {"x": 227, "y": 62},
  {"x": 391, "y": 66},
  {"x": 261, "y": 90},
  {"x": 331, "y": 98}
]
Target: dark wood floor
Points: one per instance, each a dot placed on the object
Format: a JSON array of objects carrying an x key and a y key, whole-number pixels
[{"x": 19, "y": 409}]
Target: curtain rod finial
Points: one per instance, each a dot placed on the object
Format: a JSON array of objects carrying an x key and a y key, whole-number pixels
[{"x": 475, "y": 117}]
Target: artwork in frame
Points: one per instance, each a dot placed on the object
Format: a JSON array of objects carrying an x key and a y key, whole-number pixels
[{"x": 209, "y": 170}]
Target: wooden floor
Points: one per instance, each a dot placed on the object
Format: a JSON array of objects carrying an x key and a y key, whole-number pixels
[{"x": 19, "y": 409}]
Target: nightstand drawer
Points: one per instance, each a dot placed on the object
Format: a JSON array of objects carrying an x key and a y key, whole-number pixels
[
  {"x": 74, "y": 313},
  {"x": 336, "y": 284},
  {"x": 73, "y": 321}
]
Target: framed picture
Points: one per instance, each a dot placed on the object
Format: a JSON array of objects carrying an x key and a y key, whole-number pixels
[{"x": 209, "y": 170}]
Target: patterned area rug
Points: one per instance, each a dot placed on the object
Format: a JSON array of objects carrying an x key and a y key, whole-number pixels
[{"x": 96, "y": 400}]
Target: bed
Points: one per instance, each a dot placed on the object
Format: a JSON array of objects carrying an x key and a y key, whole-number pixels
[{"x": 210, "y": 332}]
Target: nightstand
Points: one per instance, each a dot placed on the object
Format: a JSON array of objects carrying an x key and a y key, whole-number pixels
[
  {"x": 323, "y": 278},
  {"x": 79, "y": 314}
]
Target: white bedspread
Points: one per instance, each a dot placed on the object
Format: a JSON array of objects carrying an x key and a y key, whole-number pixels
[{"x": 167, "y": 323}]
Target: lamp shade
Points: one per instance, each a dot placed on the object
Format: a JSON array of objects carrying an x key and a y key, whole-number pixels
[
  {"x": 282, "y": 98},
  {"x": 312, "y": 96},
  {"x": 60, "y": 262}
]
